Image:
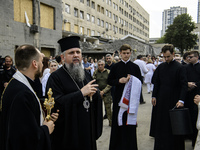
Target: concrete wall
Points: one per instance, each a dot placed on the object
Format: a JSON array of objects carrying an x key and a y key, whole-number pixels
[{"x": 13, "y": 33}]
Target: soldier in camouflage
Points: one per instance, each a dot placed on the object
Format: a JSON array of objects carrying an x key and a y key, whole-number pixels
[{"x": 101, "y": 76}]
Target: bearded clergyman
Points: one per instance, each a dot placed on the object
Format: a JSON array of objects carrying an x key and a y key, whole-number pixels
[{"x": 76, "y": 96}]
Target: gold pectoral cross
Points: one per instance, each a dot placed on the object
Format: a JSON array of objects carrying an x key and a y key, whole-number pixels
[{"x": 49, "y": 104}]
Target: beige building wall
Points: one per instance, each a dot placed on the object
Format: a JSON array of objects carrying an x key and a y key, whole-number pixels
[
  {"x": 112, "y": 19},
  {"x": 197, "y": 32}
]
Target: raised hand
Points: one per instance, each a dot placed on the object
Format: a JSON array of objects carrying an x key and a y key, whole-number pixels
[{"x": 89, "y": 89}]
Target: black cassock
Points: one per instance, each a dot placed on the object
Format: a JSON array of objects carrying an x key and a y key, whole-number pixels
[
  {"x": 76, "y": 128},
  {"x": 170, "y": 86},
  {"x": 193, "y": 75},
  {"x": 20, "y": 123},
  {"x": 122, "y": 137}
]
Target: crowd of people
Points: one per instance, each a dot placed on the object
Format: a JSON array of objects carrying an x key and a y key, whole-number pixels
[{"x": 80, "y": 84}]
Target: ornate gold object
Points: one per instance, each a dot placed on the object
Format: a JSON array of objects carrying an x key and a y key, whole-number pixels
[{"x": 49, "y": 104}]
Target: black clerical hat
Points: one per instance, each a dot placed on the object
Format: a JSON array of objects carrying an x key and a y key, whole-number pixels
[{"x": 69, "y": 42}]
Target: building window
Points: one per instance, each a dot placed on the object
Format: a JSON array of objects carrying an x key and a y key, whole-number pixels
[
  {"x": 102, "y": 10},
  {"x": 88, "y": 32},
  {"x": 98, "y": 21},
  {"x": 93, "y": 5},
  {"x": 82, "y": 30},
  {"x": 116, "y": 29},
  {"x": 76, "y": 29},
  {"x": 81, "y": 14},
  {"x": 196, "y": 47},
  {"x": 116, "y": 7},
  {"x": 102, "y": 23},
  {"x": 106, "y": 12},
  {"x": 110, "y": 3},
  {"x": 88, "y": 3},
  {"x": 75, "y": 12},
  {"x": 92, "y": 33},
  {"x": 92, "y": 19},
  {"x": 82, "y": 1},
  {"x": 88, "y": 17},
  {"x": 110, "y": 26},
  {"x": 67, "y": 8},
  {"x": 21, "y": 6},
  {"x": 110, "y": 15},
  {"x": 98, "y": 8},
  {"x": 46, "y": 11},
  {"x": 106, "y": 25},
  {"x": 98, "y": 33}
]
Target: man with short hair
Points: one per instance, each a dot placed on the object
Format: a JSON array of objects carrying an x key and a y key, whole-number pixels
[
  {"x": 80, "y": 121},
  {"x": 86, "y": 65},
  {"x": 9, "y": 70},
  {"x": 109, "y": 62},
  {"x": 185, "y": 59},
  {"x": 101, "y": 76},
  {"x": 109, "y": 65},
  {"x": 123, "y": 137},
  {"x": 22, "y": 122},
  {"x": 170, "y": 87},
  {"x": 193, "y": 78}
]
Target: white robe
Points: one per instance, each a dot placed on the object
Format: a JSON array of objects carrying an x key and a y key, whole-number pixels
[
  {"x": 130, "y": 101},
  {"x": 149, "y": 75},
  {"x": 44, "y": 82}
]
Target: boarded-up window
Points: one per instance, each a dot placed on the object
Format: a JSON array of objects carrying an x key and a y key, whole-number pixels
[
  {"x": 76, "y": 28},
  {"x": 66, "y": 26},
  {"x": 46, "y": 16},
  {"x": 22, "y": 6},
  {"x": 47, "y": 51}
]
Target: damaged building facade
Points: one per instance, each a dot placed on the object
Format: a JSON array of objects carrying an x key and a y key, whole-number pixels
[
  {"x": 33, "y": 22},
  {"x": 103, "y": 26}
]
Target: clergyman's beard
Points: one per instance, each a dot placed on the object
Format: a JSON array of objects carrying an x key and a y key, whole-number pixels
[
  {"x": 76, "y": 71},
  {"x": 38, "y": 74}
]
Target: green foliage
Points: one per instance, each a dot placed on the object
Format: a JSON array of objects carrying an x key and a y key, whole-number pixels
[
  {"x": 180, "y": 33},
  {"x": 161, "y": 40}
]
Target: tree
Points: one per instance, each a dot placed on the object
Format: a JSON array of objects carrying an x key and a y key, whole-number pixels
[
  {"x": 180, "y": 33},
  {"x": 161, "y": 40}
]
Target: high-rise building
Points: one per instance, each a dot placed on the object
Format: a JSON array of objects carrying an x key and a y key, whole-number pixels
[
  {"x": 168, "y": 16},
  {"x": 198, "y": 12},
  {"x": 110, "y": 19}
]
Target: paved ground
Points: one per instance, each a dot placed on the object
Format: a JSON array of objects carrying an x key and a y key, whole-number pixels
[{"x": 145, "y": 142}]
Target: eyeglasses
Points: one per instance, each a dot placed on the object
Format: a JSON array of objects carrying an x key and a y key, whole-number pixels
[{"x": 100, "y": 64}]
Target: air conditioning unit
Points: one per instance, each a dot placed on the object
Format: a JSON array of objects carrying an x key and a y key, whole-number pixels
[
  {"x": 65, "y": 20},
  {"x": 115, "y": 21},
  {"x": 34, "y": 28},
  {"x": 106, "y": 29},
  {"x": 122, "y": 25}
]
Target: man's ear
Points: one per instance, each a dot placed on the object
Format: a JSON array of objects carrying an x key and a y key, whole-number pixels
[
  {"x": 34, "y": 64},
  {"x": 62, "y": 57}
]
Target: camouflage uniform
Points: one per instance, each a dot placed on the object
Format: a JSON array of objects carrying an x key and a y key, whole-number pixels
[{"x": 101, "y": 79}]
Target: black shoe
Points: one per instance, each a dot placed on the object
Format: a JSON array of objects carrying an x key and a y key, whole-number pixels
[
  {"x": 142, "y": 102},
  {"x": 105, "y": 117}
]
